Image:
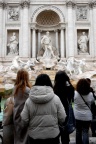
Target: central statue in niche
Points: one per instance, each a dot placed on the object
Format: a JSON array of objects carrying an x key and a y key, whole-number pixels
[{"x": 48, "y": 54}]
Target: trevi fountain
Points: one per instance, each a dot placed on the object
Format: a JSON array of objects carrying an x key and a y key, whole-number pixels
[{"x": 47, "y": 36}]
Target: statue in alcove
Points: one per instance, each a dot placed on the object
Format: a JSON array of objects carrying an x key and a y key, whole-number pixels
[
  {"x": 82, "y": 42},
  {"x": 13, "y": 45},
  {"x": 47, "y": 54}
]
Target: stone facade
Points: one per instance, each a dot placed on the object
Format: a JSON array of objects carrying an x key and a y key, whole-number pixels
[{"x": 30, "y": 19}]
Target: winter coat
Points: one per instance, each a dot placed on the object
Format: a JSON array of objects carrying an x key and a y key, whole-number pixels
[
  {"x": 20, "y": 135},
  {"x": 81, "y": 110},
  {"x": 8, "y": 135},
  {"x": 43, "y": 111}
]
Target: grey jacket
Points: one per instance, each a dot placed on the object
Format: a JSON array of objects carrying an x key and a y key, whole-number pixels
[
  {"x": 43, "y": 111},
  {"x": 20, "y": 135},
  {"x": 81, "y": 110}
]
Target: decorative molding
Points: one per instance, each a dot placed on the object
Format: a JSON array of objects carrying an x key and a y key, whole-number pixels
[
  {"x": 25, "y": 3},
  {"x": 50, "y": 28},
  {"x": 48, "y": 7},
  {"x": 70, "y": 4},
  {"x": 14, "y": 24}
]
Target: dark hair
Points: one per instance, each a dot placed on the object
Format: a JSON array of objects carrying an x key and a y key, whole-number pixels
[
  {"x": 83, "y": 87},
  {"x": 43, "y": 80},
  {"x": 22, "y": 80},
  {"x": 89, "y": 80},
  {"x": 62, "y": 86},
  {"x": 61, "y": 81},
  {"x": 61, "y": 77}
]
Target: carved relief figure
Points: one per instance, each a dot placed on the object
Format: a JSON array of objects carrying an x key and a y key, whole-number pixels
[
  {"x": 13, "y": 45},
  {"x": 13, "y": 14},
  {"x": 81, "y": 13},
  {"x": 82, "y": 43}
]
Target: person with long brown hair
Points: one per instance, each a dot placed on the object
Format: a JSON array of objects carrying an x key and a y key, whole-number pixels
[{"x": 21, "y": 93}]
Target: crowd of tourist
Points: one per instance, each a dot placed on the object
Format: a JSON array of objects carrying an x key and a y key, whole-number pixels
[{"x": 40, "y": 110}]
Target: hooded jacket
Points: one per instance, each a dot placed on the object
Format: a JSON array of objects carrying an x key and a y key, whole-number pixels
[{"x": 43, "y": 111}]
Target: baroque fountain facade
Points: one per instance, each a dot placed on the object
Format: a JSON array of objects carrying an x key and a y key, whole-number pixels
[{"x": 47, "y": 36}]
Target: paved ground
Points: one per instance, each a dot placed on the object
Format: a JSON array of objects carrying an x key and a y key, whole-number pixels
[{"x": 91, "y": 139}]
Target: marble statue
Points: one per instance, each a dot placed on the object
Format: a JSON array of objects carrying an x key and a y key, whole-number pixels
[
  {"x": 15, "y": 66},
  {"x": 48, "y": 55},
  {"x": 47, "y": 46},
  {"x": 27, "y": 65},
  {"x": 13, "y": 45},
  {"x": 72, "y": 66},
  {"x": 82, "y": 42}
]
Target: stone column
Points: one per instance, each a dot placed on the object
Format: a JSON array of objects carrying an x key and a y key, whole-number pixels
[
  {"x": 94, "y": 25},
  {"x": 70, "y": 39},
  {"x": 34, "y": 43},
  {"x": 39, "y": 39},
  {"x": 4, "y": 36},
  {"x": 91, "y": 37},
  {"x": 56, "y": 31},
  {"x": 25, "y": 26},
  {"x": 1, "y": 28},
  {"x": 62, "y": 45}
]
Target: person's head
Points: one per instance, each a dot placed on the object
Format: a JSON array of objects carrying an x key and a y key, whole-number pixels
[
  {"x": 62, "y": 85},
  {"x": 22, "y": 80},
  {"x": 83, "y": 86},
  {"x": 43, "y": 80},
  {"x": 61, "y": 77}
]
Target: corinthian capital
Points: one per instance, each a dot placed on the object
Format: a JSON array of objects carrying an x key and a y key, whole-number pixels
[
  {"x": 94, "y": 3},
  {"x": 3, "y": 4},
  {"x": 70, "y": 3},
  {"x": 25, "y": 3}
]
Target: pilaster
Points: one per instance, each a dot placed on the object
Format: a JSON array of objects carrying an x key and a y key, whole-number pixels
[
  {"x": 71, "y": 44},
  {"x": 93, "y": 5},
  {"x": 34, "y": 43},
  {"x": 91, "y": 37},
  {"x": 25, "y": 28},
  {"x": 62, "y": 45}
]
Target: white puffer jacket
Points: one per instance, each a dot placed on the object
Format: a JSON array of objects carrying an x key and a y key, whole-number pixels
[{"x": 43, "y": 111}]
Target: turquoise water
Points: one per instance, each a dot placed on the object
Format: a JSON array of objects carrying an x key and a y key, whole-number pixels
[{"x": 2, "y": 108}]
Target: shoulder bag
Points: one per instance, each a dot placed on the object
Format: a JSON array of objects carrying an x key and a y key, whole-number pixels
[
  {"x": 70, "y": 125},
  {"x": 92, "y": 108}
]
